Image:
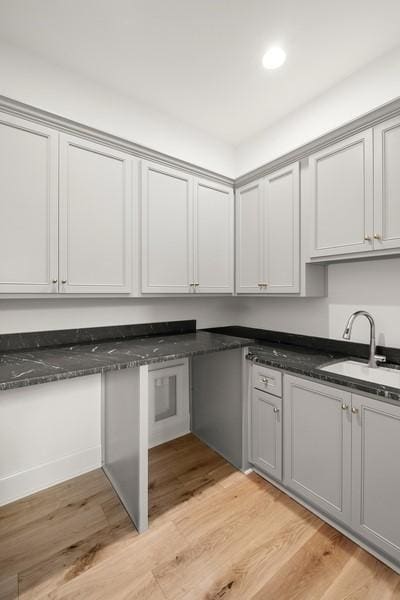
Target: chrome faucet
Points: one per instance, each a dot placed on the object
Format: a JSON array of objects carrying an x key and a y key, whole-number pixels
[{"x": 373, "y": 358}]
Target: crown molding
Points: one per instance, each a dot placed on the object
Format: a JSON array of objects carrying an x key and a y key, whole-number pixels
[
  {"x": 383, "y": 113},
  {"x": 25, "y": 111}
]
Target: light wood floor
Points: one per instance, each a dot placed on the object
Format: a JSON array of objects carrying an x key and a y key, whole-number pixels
[{"x": 214, "y": 534}]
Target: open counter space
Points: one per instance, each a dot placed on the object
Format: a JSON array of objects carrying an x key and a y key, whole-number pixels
[
  {"x": 30, "y": 367},
  {"x": 199, "y": 300}
]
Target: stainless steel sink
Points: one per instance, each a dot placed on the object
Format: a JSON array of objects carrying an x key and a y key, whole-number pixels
[{"x": 358, "y": 370}]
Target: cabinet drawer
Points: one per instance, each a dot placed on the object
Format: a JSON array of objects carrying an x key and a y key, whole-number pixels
[{"x": 268, "y": 380}]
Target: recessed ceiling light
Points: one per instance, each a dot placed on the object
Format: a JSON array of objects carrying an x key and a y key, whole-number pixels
[{"x": 274, "y": 58}]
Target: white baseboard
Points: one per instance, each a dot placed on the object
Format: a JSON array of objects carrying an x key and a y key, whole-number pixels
[{"x": 28, "y": 482}]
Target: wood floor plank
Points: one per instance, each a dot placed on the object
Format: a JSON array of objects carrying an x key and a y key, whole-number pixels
[
  {"x": 364, "y": 578},
  {"x": 17, "y": 515},
  {"x": 126, "y": 572},
  {"x": 225, "y": 539},
  {"x": 70, "y": 562},
  {"x": 307, "y": 573},
  {"x": 215, "y": 534},
  {"x": 21, "y": 548},
  {"x": 9, "y": 588}
]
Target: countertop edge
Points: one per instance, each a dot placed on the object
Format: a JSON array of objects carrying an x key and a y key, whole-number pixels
[{"x": 128, "y": 364}]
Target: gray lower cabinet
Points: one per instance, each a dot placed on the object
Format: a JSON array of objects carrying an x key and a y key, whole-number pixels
[
  {"x": 376, "y": 473},
  {"x": 317, "y": 445},
  {"x": 265, "y": 439}
]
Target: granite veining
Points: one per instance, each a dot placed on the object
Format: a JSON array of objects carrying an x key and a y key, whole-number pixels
[
  {"x": 42, "y": 365},
  {"x": 113, "y": 348}
]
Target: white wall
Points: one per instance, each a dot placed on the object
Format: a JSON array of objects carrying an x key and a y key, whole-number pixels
[
  {"x": 41, "y": 440},
  {"x": 48, "y": 433},
  {"x": 28, "y": 79},
  {"x": 368, "y": 88},
  {"x": 39, "y": 315},
  {"x": 371, "y": 285}
]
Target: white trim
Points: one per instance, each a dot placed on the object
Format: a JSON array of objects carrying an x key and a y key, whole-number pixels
[
  {"x": 370, "y": 119},
  {"x": 19, "y": 485},
  {"x": 65, "y": 125}
]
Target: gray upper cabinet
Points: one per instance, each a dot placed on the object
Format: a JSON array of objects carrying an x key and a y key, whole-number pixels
[
  {"x": 28, "y": 207},
  {"x": 95, "y": 218},
  {"x": 376, "y": 475},
  {"x": 317, "y": 445},
  {"x": 268, "y": 260},
  {"x": 387, "y": 185},
  {"x": 167, "y": 230},
  {"x": 342, "y": 197},
  {"x": 265, "y": 433},
  {"x": 213, "y": 237},
  {"x": 281, "y": 208},
  {"x": 249, "y": 238},
  {"x": 187, "y": 233}
]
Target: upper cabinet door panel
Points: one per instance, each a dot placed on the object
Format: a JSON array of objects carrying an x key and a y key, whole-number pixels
[
  {"x": 342, "y": 194},
  {"x": 167, "y": 224},
  {"x": 28, "y": 207},
  {"x": 249, "y": 238},
  {"x": 213, "y": 241},
  {"x": 95, "y": 218},
  {"x": 387, "y": 185},
  {"x": 281, "y": 260}
]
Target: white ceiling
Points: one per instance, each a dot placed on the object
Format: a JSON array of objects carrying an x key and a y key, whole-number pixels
[{"x": 200, "y": 60}]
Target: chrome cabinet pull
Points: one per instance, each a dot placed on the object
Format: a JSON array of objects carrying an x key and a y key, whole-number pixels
[
  {"x": 276, "y": 410},
  {"x": 377, "y": 236},
  {"x": 54, "y": 281},
  {"x": 367, "y": 238},
  {"x": 63, "y": 281},
  {"x": 354, "y": 410},
  {"x": 345, "y": 406}
]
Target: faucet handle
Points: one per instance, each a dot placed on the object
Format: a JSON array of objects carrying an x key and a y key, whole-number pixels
[{"x": 380, "y": 358}]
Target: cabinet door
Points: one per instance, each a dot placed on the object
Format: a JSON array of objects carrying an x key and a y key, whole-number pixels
[
  {"x": 95, "y": 218},
  {"x": 281, "y": 260},
  {"x": 265, "y": 433},
  {"x": 376, "y": 475},
  {"x": 249, "y": 238},
  {"x": 317, "y": 434},
  {"x": 213, "y": 237},
  {"x": 342, "y": 194},
  {"x": 28, "y": 207},
  {"x": 387, "y": 185},
  {"x": 167, "y": 230}
]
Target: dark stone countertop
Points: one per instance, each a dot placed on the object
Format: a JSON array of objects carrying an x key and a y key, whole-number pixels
[
  {"x": 301, "y": 360},
  {"x": 29, "y": 359},
  {"x": 42, "y": 365},
  {"x": 305, "y": 355}
]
